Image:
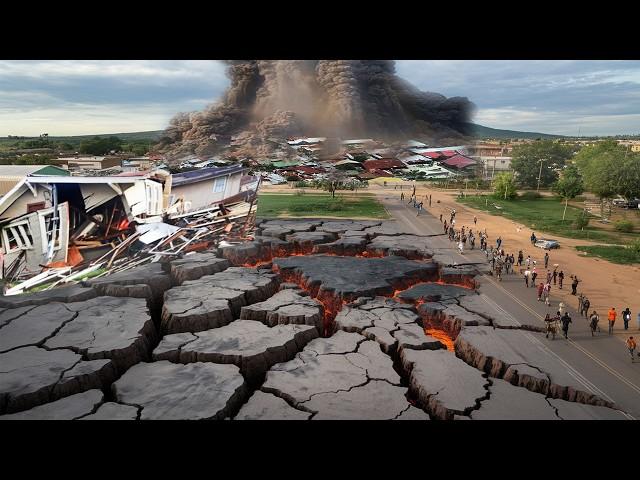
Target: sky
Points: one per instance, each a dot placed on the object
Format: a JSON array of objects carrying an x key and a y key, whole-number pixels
[{"x": 75, "y": 97}]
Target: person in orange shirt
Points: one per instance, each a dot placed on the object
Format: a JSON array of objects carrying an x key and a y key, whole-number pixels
[
  {"x": 631, "y": 345},
  {"x": 612, "y": 319}
]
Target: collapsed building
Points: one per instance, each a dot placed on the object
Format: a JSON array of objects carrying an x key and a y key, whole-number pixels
[{"x": 50, "y": 222}]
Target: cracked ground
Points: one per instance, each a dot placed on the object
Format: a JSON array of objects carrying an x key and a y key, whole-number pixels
[{"x": 314, "y": 319}]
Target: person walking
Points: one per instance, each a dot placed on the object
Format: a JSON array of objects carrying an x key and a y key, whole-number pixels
[
  {"x": 402, "y": 197},
  {"x": 527, "y": 273},
  {"x": 638, "y": 320},
  {"x": 440, "y": 217},
  {"x": 429, "y": 200},
  {"x": 580, "y": 302},
  {"x": 561, "y": 306},
  {"x": 549, "y": 275},
  {"x": 540, "y": 290},
  {"x": 546, "y": 259},
  {"x": 534, "y": 274},
  {"x": 585, "y": 307},
  {"x": 499, "y": 270},
  {"x": 593, "y": 322},
  {"x": 555, "y": 275},
  {"x": 561, "y": 278},
  {"x": 475, "y": 220},
  {"x": 566, "y": 320},
  {"x": 611, "y": 315},
  {"x": 461, "y": 247},
  {"x": 419, "y": 209},
  {"x": 574, "y": 285},
  {"x": 533, "y": 238},
  {"x": 498, "y": 242},
  {"x": 545, "y": 293},
  {"x": 626, "y": 318},
  {"x": 631, "y": 346},
  {"x": 520, "y": 258},
  {"x": 528, "y": 261}
]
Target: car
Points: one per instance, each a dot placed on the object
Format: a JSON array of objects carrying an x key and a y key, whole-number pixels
[{"x": 547, "y": 244}]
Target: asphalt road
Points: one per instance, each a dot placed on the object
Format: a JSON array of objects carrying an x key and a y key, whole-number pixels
[{"x": 600, "y": 363}]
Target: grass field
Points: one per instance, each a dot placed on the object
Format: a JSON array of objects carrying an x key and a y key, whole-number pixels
[
  {"x": 316, "y": 205},
  {"x": 614, "y": 254},
  {"x": 544, "y": 215}
]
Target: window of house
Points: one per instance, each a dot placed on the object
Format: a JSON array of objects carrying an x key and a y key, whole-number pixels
[
  {"x": 46, "y": 225},
  {"x": 17, "y": 236},
  {"x": 220, "y": 184}
]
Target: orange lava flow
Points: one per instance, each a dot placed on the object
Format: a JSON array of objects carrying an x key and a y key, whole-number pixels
[{"x": 441, "y": 335}]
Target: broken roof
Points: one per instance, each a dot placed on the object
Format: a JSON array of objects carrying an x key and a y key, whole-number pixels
[
  {"x": 203, "y": 174},
  {"x": 459, "y": 161}
]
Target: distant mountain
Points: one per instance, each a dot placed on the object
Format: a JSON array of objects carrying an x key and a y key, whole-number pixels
[
  {"x": 480, "y": 131},
  {"x": 130, "y": 136}
]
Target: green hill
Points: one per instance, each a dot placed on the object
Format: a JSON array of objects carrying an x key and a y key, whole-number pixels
[{"x": 480, "y": 131}]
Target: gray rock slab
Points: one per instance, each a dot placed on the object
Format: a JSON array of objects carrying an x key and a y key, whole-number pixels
[
  {"x": 32, "y": 325},
  {"x": 354, "y": 319},
  {"x": 349, "y": 277},
  {"x": 507, "y": 402},
  {"x": 127, "y": 283},
  {"x": 484, "y": 306},
  {"x": 307, "y": 375},
  {"x": 305, "y": 241},
  {"x": 351, "y": 245},
  {"x": 377, "y": 400},
  {"x": 250, "y": 345},
  {"x": 242, "y": 253},
  {"x": 370, "y": 303},
  {"x": 442, "y": 382},
  {"x": 119, "y": 329},
  {"x": 199, "y": 307},
  {"x": 412, "y": 336},
  {"x": 409, "y": 246},
  {"x": 377, "y": 364},
  {"x": 381, "y": 335},
  {"x": 68, "y": 408},
  {"x": 257, "y": 285},
  {"x": 413, "y": 413},
  {"x": 266, "y": 406},
  {"x": 74, "y": 293},
  {"x": 195, "y": 266},
  {"x": 277, "y": 231},
  {"x": 434, "y": 292},
  {"x": 388, "y": 228},
  {"x": 286, "y": 306},
  {"x": 169, "y": 391},
  {"x": 32, "y": 376},
  {"x": 295, "y": 225},
  {"x": 113, "y": 411},
  {"x": 579, "y": 411},
  {"x": 340, "y": 342},
  {"x": 517, "y": 356}
]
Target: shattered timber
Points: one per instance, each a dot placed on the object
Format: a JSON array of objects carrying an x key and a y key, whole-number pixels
[{"x": 305, "y": 319}]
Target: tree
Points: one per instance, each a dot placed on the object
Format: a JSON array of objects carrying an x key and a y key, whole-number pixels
[
  {"x": 504, "y": 186},
  {"x": 100, "y": 146},
  {"x": 527, "y": 159},
  {"x": 333, "y": 182},
  {"x": 569, "y": 186},
  {"x": 610, "y": 169}
]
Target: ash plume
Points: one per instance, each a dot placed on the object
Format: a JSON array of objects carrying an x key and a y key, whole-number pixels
[{"x": 332, "y": 98}]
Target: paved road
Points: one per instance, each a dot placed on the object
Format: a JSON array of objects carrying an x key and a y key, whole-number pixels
[{"x": 601, "y": 363}]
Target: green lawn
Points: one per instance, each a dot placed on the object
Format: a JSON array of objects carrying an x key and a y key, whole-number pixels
[
  {"x": 614, "y": 254},
  {"x": 315, "y": 205},
  {"x": 544, "y": 216}
]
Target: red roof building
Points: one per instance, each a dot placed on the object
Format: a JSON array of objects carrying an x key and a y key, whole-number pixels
[
  {"x": 449, "y": 153},
  {"x": 458, "y": 162},
  {"x": 383, "y": 164}
]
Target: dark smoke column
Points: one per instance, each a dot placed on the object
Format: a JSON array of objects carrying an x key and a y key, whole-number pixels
[{"x": 333, "y": 98}]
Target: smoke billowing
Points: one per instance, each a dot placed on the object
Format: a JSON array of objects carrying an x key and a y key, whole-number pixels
[{"x": 334, "y": 98}]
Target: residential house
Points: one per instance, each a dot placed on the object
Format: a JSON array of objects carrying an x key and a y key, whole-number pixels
[{"x": 11, "y": 175}]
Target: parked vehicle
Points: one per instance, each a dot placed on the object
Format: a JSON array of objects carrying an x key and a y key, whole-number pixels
[{"x": 547, "y": 244}]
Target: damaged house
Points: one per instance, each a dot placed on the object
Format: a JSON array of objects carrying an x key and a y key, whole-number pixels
[{"x": 52, "y": 221}]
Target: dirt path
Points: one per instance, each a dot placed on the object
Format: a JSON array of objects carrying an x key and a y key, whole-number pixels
[{"x": 604, "y": 283}]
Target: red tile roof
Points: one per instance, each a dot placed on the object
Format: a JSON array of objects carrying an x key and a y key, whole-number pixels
[
  {"x": 459, "y": 161},
  {"x": 384, "y": 164},
  {"x": 432, "y": 154},
  {"x": 449, "y": 153}
]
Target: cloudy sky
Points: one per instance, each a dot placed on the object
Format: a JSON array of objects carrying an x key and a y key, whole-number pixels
[{"x": 87, "y": 97}]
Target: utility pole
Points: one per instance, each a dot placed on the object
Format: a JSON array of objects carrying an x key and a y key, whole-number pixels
[{"x": 540, "y": 174}]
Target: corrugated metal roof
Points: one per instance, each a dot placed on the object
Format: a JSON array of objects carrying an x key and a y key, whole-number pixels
[
  {"x": 19, "y": 170},
  {"x": 202, "y": 174}
]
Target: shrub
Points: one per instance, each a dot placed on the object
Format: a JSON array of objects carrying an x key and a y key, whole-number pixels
[
  {"x": 300, "y": 184},
  {"x": 581, "y": 221},
  {"x": 624, "y": 226},
  {"x": 530, "y": 195},
  {"x": 336, "y": 206},
  {"x": 635, "y": 246}
]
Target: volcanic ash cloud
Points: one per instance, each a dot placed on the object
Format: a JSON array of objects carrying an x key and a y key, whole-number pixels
[{"x": 332, "y": 98}]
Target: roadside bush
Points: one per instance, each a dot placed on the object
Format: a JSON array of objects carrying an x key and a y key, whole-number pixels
[
  {"x": 624, "y": 226},
  {"x": 299, "y": 193},
  {"x": 300, "y": 184},
  {"x": 635, "y": 246},
  {"x": 530, "y": 195},
  {"x": 581, "y": 222}
]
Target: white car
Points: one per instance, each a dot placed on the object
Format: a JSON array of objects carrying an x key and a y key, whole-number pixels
[{"x": 547, "y": 244}]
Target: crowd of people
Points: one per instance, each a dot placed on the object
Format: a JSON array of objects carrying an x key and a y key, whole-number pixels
[{"x": 502, "y": 262}]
